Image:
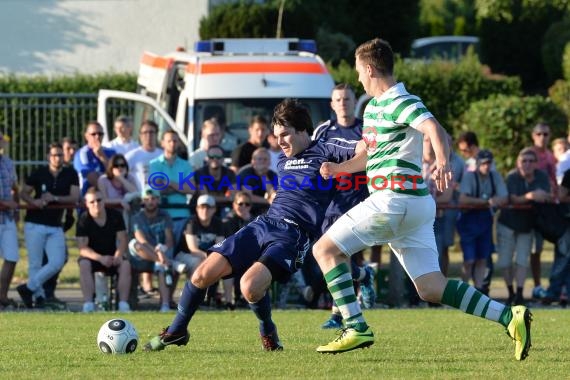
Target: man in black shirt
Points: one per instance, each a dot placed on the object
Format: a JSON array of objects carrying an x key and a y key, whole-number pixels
[
  {"x": 43, "y": 229},
  {"x": 102, "y": 243},
  {"x": 258, "y": 132}
]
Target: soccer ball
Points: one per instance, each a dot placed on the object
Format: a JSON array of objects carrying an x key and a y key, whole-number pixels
[{"x": 117, "y": 336}]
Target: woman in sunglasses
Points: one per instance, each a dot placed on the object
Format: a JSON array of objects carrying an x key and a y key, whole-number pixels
[{"x": 117, "y": 185}]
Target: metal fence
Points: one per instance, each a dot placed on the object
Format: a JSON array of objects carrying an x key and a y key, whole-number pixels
[{"x": 32, "y": 121}]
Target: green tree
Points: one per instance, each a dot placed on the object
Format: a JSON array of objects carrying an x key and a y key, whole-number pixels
[
  {"x": 442, "y": 17},
  {"x": 343, "y": 20},
  {"x": 511, "y": 33},
  {"x": 554, "y": 41},
  {"x": 503, "y": 124}
]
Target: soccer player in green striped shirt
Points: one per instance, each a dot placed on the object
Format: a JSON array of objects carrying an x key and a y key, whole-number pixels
[{"x": 399, "y": 211}]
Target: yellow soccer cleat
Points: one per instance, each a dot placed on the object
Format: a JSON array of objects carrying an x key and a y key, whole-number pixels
[
  {"x": 519, "y": 330},
  {"x": 349, "y": 339}
]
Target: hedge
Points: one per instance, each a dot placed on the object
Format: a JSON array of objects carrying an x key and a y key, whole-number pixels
[
  {"x": 446, "y": 88},
  {"x": 503, "y": 124},
  {"x": 79, "y": 83}
]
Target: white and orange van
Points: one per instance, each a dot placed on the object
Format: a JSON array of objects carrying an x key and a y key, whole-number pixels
[{"x": 231, "y": 79}]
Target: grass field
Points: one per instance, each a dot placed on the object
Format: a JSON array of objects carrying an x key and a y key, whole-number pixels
[{"x": 410, "y": 344}]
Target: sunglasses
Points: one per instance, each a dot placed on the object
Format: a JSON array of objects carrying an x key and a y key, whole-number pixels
[
  {"x": 542, "y": 134},
  {"x": 246, "y": 204},
  {"x": 97, "y": 200},
  {"x": 120, "y": 165},
  {"x": 215, "y": 156},
  {"x": 97, "y": 134}
]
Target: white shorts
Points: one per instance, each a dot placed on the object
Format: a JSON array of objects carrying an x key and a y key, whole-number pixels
[
  {"x": 9, "y": 241},
  {"x": 404, "y": 223}
]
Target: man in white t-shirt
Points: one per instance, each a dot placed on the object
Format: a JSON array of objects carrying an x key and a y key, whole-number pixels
[
  {"x": 123, "y": 143},
  {"x": 139, "y": 158}
]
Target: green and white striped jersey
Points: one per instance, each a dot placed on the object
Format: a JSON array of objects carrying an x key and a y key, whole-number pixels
[{"x": 394, "y": 144}]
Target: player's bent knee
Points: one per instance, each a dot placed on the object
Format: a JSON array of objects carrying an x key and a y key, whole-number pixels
[
  {"x": 201, "y": 279},
  {"x": 250, "y": 292}
]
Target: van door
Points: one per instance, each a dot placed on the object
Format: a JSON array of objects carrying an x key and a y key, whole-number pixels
[{"x": 111, "y": 104}]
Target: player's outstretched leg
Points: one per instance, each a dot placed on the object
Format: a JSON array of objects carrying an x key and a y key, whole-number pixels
[
  {"x": 519, "y": 330},
  {"x": 357, "y": 334},
  {"x": 177, "y": 332},
  {"x": 516, "y": 319},
  {"x": 267, "y": 329}
]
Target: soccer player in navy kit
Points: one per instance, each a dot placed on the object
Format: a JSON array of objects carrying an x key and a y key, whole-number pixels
[
  {"x": 345, "y": 126},
  {"x": 273, "y": 246}
]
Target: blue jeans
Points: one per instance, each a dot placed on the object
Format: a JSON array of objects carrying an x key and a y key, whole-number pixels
[{"x": 559, "y": 274}]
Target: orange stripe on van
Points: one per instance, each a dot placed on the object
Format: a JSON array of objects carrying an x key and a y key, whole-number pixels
[
  {"x": 156, "y": 61},
  {"x": 258, "y": 67}
]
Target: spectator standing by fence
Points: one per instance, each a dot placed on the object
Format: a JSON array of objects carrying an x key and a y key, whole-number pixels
[
  {"x": 546, "y": 162},
  {"x": 258, "y": 132},
  {"x": 174, "y": 193},
  {"x": 560, "y": 271},
  {"x": 8, "y": 230},
  {"x": 43, "y": 230},
  {"x": 139, "y": 158},
  {"x": 484, "y": 189},
  {"x": 123, "y": 142},
  {"x": 210, "y": 135},
  {"x": 525, "y": 184}
]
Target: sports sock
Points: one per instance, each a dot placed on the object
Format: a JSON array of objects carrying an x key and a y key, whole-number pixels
[
  {"x": 190, "y": 300},
  {"x": 262, "y": 310},
  {"x": 339, "y": 282},
  {"x": 511, "y": 291},
  {"x": 462, "y": 296}
]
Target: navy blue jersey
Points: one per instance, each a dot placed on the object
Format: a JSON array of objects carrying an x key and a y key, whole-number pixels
[
  {"x": 302, "y": 194},
  {"x": 345, "y": 199}
]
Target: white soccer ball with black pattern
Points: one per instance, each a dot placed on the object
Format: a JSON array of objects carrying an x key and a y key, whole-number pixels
[{"x": 117, "y": 336}]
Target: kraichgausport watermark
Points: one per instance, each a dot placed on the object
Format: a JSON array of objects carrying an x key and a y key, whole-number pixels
[{"x": 341, "y": 181}]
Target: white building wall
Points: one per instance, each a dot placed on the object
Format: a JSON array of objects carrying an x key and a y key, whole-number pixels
[{"x": 88, "y": 36}]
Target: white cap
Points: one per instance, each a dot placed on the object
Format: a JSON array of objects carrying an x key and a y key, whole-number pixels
[{"x": 206, "y": 199}]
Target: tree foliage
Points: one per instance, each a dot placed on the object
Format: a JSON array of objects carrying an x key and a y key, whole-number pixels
[
  {"x": 345, "y": 21},
  {"x": 444, "y": 17},
  {"x": 554, "y": 42},
  {"x": 503, "y": 124},
  {"x": 559, "y": 92}
]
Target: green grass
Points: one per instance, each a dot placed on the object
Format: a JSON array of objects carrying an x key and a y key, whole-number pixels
[{"x": 410, "y": 344}]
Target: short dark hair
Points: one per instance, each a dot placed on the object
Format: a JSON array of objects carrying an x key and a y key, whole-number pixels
[
  {"x": 528, "y": 152},
  {"x": 92, "y": 122},
  {"x": 343, "y": 86},
  {"x": 377, "y": 53},
  {"x": 291, "y": 113},
  {"x": 124, "y": 119},
  {"x": 54, "y": 144},
  {"x": 68, "y": 140},
  {"x": 151, "y": 124},
  {"x": 470, "y": 138}
]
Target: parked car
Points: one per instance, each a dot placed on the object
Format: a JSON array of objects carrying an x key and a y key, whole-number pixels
[{"x": 446, "y": 47}]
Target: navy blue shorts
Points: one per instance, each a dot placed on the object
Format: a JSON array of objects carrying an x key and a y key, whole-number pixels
[{"x": 278, "y": 244}]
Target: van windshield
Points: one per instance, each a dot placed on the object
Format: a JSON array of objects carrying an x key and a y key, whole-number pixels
[{"x": 235, "y": 115}]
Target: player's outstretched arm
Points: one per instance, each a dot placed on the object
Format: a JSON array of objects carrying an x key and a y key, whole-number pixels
[
  {"x": 442, "y": 174},
  {"x": 355, "y": 164}
]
